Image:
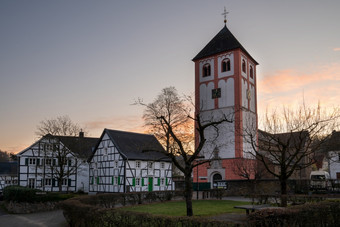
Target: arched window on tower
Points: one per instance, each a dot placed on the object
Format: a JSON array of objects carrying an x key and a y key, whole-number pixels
[
  {"x": 206, "y": 70},
  {"x": 243, "y": 66},
  {"x": 225, "y": 65},
  {"x": 251, "y": 72}
]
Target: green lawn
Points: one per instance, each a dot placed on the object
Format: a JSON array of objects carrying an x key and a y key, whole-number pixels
[{"x": 200, "y": 207}]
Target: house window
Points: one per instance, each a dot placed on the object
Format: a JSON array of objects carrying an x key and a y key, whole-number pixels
[
  {"x": 225, "y": 65},
  {"x": 243, "y": 66},
  {"x": 116, "y": 165},
  {"x": 31, "y": 183},
  {"x": 162, "y": 181},
  {"x": 32, "y": 161},
  {"x": 251, "y": 72},
  {"x": 162, "y": 165},
  {"x": 150, "y": 165},
  {"x": 137, "y": 181},
  {"x": 339, "y": 157},
  {"x": 48, "y": 161},
  {"x": 116, "y": 181},
  {"x": 48, "y": 182},
  {"x": 137, "y": 164},
  {"x": 338, "y": 176},
  {"x": 206, "y": 70}
]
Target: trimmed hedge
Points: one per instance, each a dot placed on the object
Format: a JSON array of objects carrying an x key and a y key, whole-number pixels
[
  {"x": 17, "y": 193},
  {"x": 325, "y": 213},
  {"x": 101, "y": 210}
]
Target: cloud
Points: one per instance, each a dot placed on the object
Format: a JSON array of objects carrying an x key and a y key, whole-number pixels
[
  {"x": 290, "y": 87},
  {"x": 132, "y": 123},
  {"x": 337, "y": 49}
]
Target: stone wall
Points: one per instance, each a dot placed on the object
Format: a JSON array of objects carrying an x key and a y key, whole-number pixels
[{"x": 26, "y": 208}]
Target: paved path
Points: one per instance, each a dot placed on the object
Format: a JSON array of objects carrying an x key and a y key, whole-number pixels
[{"x": 42, "y": 219}]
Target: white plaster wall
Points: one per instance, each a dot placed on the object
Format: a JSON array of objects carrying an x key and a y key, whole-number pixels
[
  {"x": 249, "y": 128},
  {"x": 252, "y": 98},
  {"x": 206, "y": 101},
  {"x": 227, "y": 93},
  {"x": 244, "y": 93},
  {"x": 334, "y": 164},
  {"x": 223, "y": 138}
]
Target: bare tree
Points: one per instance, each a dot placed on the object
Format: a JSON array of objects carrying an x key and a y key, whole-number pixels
[
  {"x": 170, "y": 117},
  {"x": 58, "y": 149},
  {"x": 5, "y": 156},
  {"x": 290, "y": 140},
  {"x": 59, "y": 126}
]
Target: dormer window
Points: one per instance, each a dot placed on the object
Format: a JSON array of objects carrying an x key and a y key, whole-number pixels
[
  {"x": 225, "y": 65},
  {"x": 244, "y": 66},
  {"x": 206, "y": 70},
  {"x": 251, "y": 72}
]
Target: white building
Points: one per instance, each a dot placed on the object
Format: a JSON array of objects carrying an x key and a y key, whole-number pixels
[
  {"x": 56, "y": 163},
  {"x": 129, "y": 162},
  {"x": 334, "y": 156}
]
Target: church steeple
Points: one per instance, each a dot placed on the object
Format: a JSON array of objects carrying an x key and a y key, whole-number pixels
[{"x": 222, "y": 42}]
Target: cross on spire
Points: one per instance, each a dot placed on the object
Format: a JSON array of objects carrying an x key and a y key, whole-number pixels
[{"x": 225, "y": 15}]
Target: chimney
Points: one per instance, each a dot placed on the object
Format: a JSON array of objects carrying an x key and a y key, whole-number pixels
[{"x": 81, "y": 134}]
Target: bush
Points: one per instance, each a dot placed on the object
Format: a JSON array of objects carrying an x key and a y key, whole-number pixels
[
  {"x": 17, "y": 193},
  {"x": 325, "y": 213}
]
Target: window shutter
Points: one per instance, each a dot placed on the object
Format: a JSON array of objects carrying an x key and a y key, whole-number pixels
[
  {"x": 166, "y": 181},
  {"x": 26, "y": 161},
  {"x": 158, "y": 181},
  {"x": 97, "y": 180},
  {"x": 119, "y": 183},
  {"x": 142, "y": 181},
  {"x": 133, "y": 182},
  {"x": 92, "y": 180},
  {"x": 113, "y": 180},
  {"x": 69, "y": 182}
]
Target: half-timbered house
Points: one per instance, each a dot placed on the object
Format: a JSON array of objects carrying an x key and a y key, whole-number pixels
[
  {"x": 129, "y": 162},
  {"x": 56, "y": 163}
]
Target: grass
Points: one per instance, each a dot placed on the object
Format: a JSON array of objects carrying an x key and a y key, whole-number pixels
[{"x": 200, "y": 207}]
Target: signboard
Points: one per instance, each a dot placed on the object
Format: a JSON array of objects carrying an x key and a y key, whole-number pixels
[{"x": 222, "y": 184}]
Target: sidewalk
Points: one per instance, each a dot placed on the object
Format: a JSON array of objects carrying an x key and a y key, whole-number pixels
[{"x": 42, "y": 219}]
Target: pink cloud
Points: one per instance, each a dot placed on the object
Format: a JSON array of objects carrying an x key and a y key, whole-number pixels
[
  {"x": 290, "y": 87},
  {"x": 336, "y": 49},
  {"x": 125, "y": 123}
]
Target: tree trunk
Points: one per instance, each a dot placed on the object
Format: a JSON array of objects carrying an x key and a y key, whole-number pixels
[
  {"x": 283, "y": 183},
  {"x": 188, "y": 194}
]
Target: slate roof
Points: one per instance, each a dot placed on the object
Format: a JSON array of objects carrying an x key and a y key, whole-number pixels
[
  {"x": 293, "y": 138},
  {"x": 333, "y": 143},
  {"x": 82, "y": 147},
  {"x": 222, "y": 42},
  {"x": 137, "y": 146},
  {"x": 9, "y": 168}
]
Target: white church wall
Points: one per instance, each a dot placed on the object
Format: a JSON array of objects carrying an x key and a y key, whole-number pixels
[
  {"x": 244, "y": 93},
  {"x": 223, "y": 139},
  {"x": 227, "y": 93},
  {"x": 249, "y": 128},
  {"x": 252, "y": 106}
]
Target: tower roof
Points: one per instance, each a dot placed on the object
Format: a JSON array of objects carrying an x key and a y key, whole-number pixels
[{"x": 223, "y": 41}]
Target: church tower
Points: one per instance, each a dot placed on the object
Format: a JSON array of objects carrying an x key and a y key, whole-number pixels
[{"x": 225, "y": 85}]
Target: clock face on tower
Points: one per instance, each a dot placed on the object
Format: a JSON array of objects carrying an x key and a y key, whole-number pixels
[{"x": 216, "y": 93}]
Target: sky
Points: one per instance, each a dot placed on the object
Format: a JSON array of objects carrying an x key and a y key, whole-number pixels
[{"x": 90, "y": 60}]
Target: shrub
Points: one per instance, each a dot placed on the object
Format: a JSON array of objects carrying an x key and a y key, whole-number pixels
[
  {"x": 325, "y": 213},
  {"x": 17, "y": 193}
]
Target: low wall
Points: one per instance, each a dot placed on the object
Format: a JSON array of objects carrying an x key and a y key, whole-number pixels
[{"x": 26, "y": 208}]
